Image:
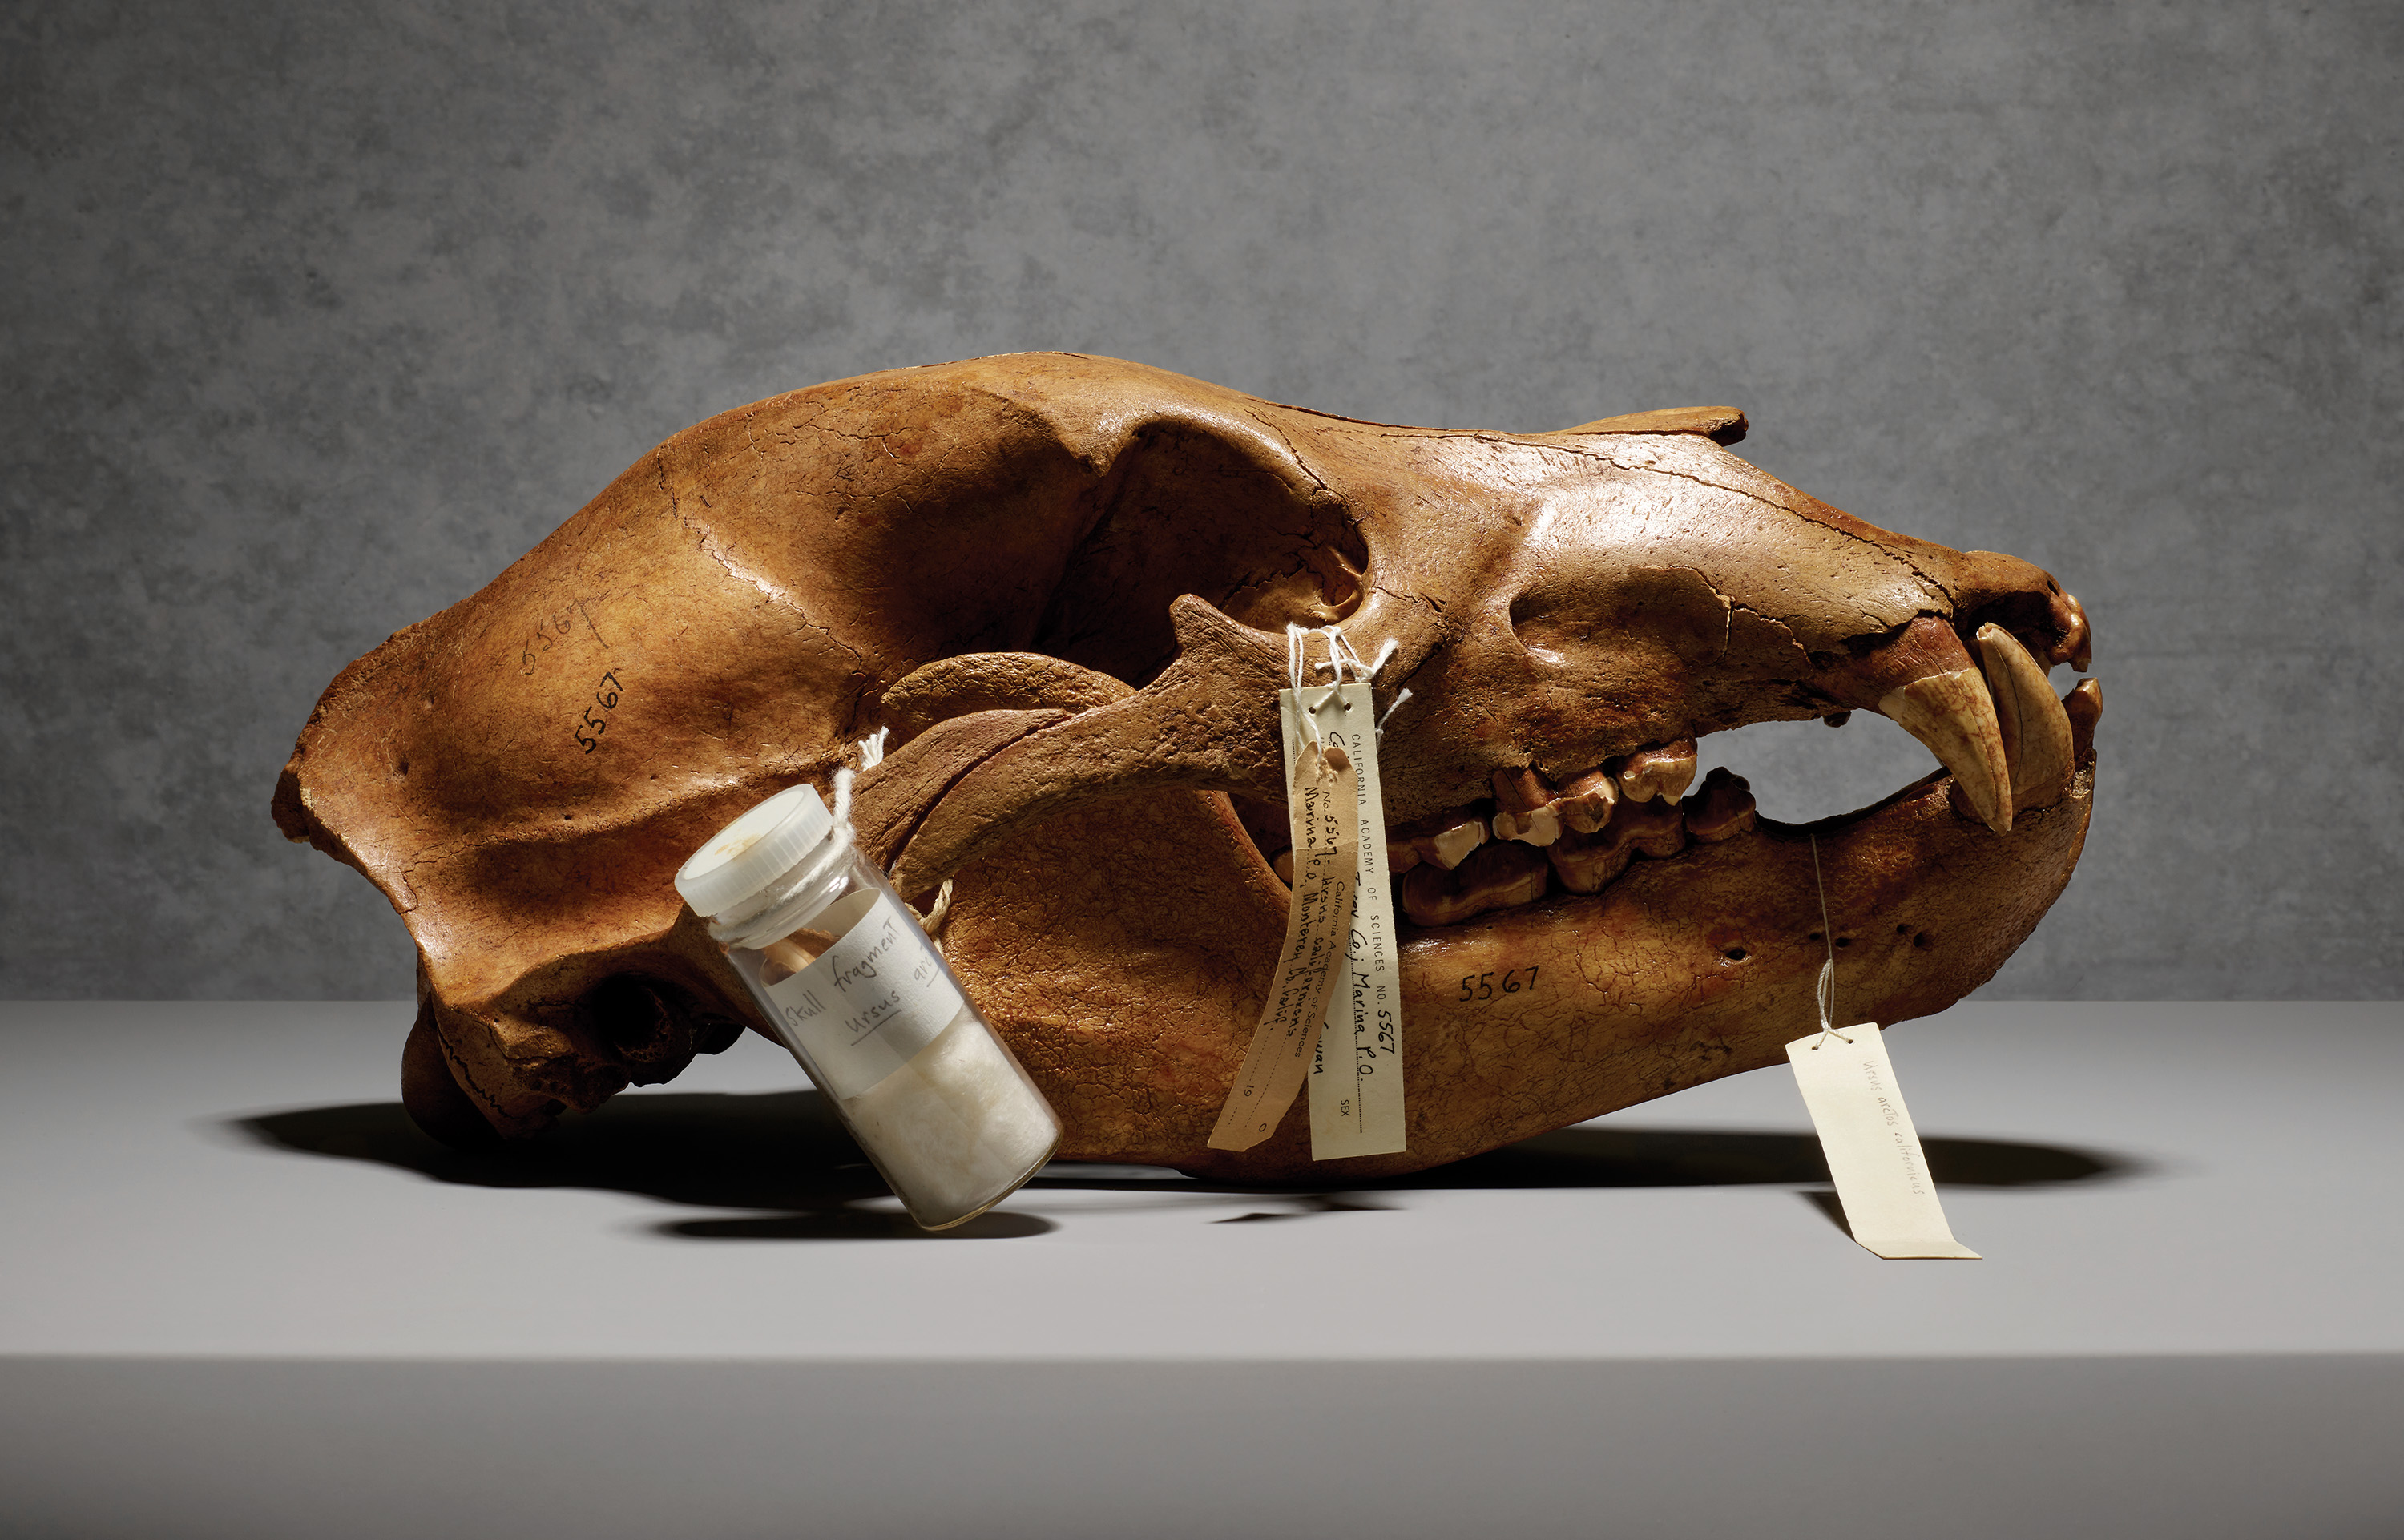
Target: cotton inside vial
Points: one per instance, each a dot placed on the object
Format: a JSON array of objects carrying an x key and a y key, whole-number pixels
[{"x": 852, "y": 984}]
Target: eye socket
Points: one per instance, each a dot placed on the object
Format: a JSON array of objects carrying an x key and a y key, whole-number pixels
[{"x": 1188, "y": 511}]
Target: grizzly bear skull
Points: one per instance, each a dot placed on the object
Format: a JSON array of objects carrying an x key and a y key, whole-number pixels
[{"x": 1063, "y": 585}]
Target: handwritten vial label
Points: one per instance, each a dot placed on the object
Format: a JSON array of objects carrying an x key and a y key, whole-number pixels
[
  {"x": 869, "y": 1001},
  {"x": 1356, "y": 1078},
  {"x": 1873, "y": 1151}
]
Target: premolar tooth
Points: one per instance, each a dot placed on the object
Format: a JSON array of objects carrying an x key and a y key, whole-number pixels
[
  {"x": 1587, "y": 800},
  {"x": 1442, "y": 839},
  {"x": 1525, "y": 807},
  {"x": 1723, "y": 809},
  {"x": 1665, "y": 772},
  {"x": 1495, "y": 876},
  {"x": 2035, "y": 727},
  {"x": 1951, "y": 713}
]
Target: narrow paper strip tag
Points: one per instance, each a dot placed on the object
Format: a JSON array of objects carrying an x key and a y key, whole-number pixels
[
  {"x": 1873, "y": 1149},
  {"x": 1321, "y": 808},
  {"x": 1356, "y": 1077}
]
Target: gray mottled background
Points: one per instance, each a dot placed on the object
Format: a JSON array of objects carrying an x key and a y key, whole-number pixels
[{"x": 317, "y": 314}]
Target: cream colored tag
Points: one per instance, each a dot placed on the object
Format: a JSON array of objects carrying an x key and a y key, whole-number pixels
[
  {"x": 1873, "y": 1149},
  {"x": 1322, "y": 806},
  {"x": 1356, "y": 1077}
]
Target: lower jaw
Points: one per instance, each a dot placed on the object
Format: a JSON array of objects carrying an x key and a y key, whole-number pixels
[{"x": 1692, "y": 967}]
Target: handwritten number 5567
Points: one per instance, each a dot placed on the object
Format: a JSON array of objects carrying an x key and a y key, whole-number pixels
[
  {"x": 1485, "y": 987},
  {"x": 606, "y": 695}
]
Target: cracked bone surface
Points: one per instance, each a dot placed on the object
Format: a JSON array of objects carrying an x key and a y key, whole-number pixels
[{"x": 1063, "y": 583}]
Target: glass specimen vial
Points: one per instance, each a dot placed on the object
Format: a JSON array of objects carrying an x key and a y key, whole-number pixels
[{"x": 842, "y": 968}]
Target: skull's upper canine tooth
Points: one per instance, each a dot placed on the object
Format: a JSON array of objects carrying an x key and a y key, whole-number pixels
[
  {"x": 1943, "y": 702},
  {"x": 1525, "y": 807},
  {"x": 1665, "y": 772},
  {"x": 2035, "y": 727}
]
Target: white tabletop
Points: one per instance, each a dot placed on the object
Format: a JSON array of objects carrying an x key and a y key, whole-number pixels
[
  {"x": 235, "y": 1179},
  {"x": 245, "y": 1298}
]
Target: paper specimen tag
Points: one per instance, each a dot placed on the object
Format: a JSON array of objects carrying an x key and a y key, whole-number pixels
[
  {"x": 1356, "y": 1077},
  {"x": 1873, "y": 1151},
  {"x": 869, "y": 1001},
  {"x": 1321, "y": 808}
]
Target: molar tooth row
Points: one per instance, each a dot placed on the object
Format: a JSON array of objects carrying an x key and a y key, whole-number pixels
[
  {"x": 1530, "y": 809},
  {"x": 1512, "y": 872}
]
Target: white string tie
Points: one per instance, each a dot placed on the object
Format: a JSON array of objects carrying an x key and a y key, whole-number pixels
[
  {"x": 763, "y": 920},
  {"x": 1827, "y": 989}
]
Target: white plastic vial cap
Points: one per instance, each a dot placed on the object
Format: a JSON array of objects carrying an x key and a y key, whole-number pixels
[{"x": 754, "y": 850}]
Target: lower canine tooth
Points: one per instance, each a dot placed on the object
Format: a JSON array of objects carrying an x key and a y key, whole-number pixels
[
  {"x": 2035, "y": 727},
  {"x": 1494, "y": 876}
]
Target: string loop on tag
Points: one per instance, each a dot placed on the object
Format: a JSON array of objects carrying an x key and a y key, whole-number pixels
[
  {"x": 1827, "y": 988},
  {"x": 1343, "y": 663}
]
